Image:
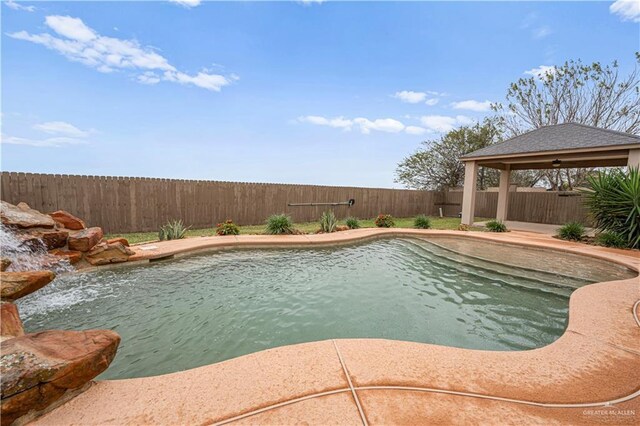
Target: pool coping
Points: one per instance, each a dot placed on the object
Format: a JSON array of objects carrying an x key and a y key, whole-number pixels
[{"x": 588, "y": 375}]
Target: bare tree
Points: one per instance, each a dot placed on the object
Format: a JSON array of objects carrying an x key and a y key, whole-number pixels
[{"x": 592, "y": 94}]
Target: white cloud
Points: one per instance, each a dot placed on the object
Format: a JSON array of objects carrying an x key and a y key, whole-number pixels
[
  {"x": 187, "y": 3},
  {"x": 338, "y": 122},
  {"x": 430, "y": 124},
  {"x": 69, "y": 27},
  {"x": 541, "y": 71},
  {"x": 472, "y": 105},
  {"x": 538, "y": 31},
  {"x": 442, "y": 123},
  {"x": 213, "y": 82},
  {"x": 49, "y": 142},
  {"x": 80, "y": 43},
  {"x": 61, "y": 128},
  {"x": 388, "y": 125},
  {"x": 63, "y": 134},
  {"x": 309, "y": 2},
  {"x": 17, "y": 6},
  {"x": 411, "y": 97},
  {"x": 415, "y": 130},
  {"x": 148, "y": 77},
  {"x": 541, "y": 32},
  {"x": 364, "y": 125},
  {"x": 628, "y": 10}
]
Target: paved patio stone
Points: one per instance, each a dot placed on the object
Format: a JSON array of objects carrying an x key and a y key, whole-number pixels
[
  {"x": 601, "y": 312},
  {"x": 572, "y": 369},
  {"x": 208, "y": 394},
  {"x": 336, "y": 409},
  {"x": 411, "y": 408}
]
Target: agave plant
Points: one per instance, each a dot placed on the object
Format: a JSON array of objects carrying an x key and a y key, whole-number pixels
[
  {"x": 352, "y": 222},
  {"x": 572, "y": 231},
  {"x": 279, "y": 224},
  {"x": 496, "y": 226},
  {"x": 173, "y": 230},
  {"x": 613, "y": 200},
  {"x": 328, "y": 222},
  {"x": 422, "y": 222},
  {"x": 611, "y": 239}
]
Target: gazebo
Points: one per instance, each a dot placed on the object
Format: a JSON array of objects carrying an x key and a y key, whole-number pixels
[{"x": 568, "y": 145}]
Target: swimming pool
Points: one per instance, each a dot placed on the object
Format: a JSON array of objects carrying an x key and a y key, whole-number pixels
[{"x": 183, "y": 313}]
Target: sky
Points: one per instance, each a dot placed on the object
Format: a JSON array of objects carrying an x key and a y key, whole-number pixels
[{"x": 327, "y": 93}]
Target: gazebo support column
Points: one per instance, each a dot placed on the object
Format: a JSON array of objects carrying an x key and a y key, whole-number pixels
[
  {"x": 469, "y": 194},
  {"x": 503, "y": 194},
  {"x": 634, "y": 158}
]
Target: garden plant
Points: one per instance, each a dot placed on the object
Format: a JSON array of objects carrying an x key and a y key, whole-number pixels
[
  {"x": 227, "y": 228},
  {"x": 352, "y": 222},
  {"x": 572, "y": 231},
  {"x": 278, "y": 224},
  {"x": 613, "y": 200},
  {"x": 384, "y": 221},
  {"x": 496, "y": 226},
  {"x": 611, "y": 239},
  {"x": 422, "y": 222},
  {"x": 328, "y": 222},
  {"x": 173, "y": 230}
]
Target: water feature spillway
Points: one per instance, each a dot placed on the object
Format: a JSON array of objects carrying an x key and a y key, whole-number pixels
[
  {"x": 34, "y": 249},
  {"x": 29, "y": 253}
]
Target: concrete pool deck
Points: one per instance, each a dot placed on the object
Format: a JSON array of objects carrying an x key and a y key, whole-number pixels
[{"x": 590, "y": 375}]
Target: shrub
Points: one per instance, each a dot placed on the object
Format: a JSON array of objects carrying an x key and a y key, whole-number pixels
[
  {"x": 422, "y": 222},
  {"x": 279, "y": 224},
  {"x": 384, "y": 221},
  {"x": 573, "y": 231},
  {"x": 611, "y": 239},
  {"x": 227, "y": 228},
  {"x": 328, "y": 222},
  {"x": 352, "y": 223},
  {"x": 496, "y": 226},
  {"x": 613, "y": 202},
  {"x": 173, "y": 230}
]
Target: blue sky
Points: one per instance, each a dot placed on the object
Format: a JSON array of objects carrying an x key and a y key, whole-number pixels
[{"x": 323, "y": 93}]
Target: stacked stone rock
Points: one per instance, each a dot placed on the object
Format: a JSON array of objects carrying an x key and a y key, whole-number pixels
[
  {"x": 64, "y": 235},
  {"x": 40, "y": 370}
]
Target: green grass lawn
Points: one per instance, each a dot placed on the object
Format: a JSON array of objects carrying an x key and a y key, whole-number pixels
[{"x": 308, "y": 227}]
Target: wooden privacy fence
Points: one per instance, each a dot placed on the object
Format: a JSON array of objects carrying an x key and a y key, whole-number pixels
[
  {"x": 538, "y": 207},
  {"x": 129, "y": 204},
  {"x": 124, "y": 204}
]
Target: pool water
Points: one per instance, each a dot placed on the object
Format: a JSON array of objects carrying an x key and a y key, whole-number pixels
[{"x": 184, "y": 313}]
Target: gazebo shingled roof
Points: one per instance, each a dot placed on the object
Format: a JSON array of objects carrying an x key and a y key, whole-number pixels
[{"x": 559, "y": 137}]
